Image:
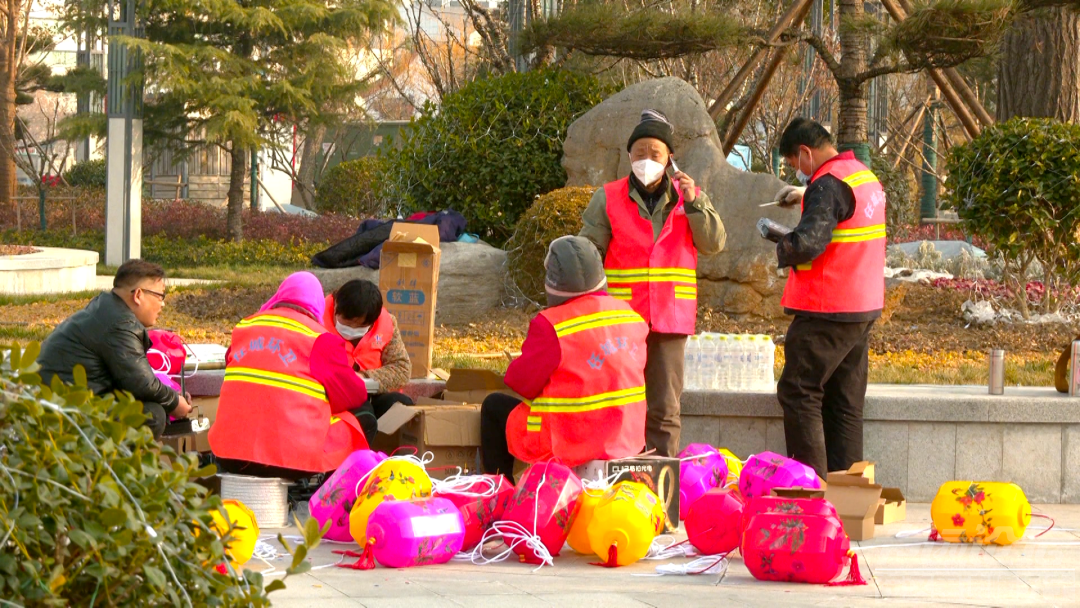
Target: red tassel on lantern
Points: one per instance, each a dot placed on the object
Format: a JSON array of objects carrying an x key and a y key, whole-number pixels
[
  {"x": 612, "y": 558},
  {"x": 365, "y": 561},
  {"x": 854, "y": 576}
]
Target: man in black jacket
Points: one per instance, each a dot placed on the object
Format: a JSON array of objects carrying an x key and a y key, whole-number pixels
[{"x": 108, "y": 338}]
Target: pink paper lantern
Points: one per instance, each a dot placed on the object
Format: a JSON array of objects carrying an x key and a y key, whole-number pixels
[{"x": 769, "y": 470}]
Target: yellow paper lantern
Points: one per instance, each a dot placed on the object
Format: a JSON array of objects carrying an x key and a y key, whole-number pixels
[
  {"x": 734, "y": 467},
  {"x": 391, "y": 480},
  {"x": 579, "y": 531},
  {"x": 240, "y": 545},
  {"x": 980, "y": 512},
  {"x": 627, "y": 518}
]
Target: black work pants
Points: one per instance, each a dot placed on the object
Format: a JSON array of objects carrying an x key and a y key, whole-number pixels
[
  {"x": 494, "y": 450},
  {"x": 665, "y": 355},
  {"x": 822, "y": 391},
  {"x": 378, "y": 404},
  {"x": 158, "y": 418}
]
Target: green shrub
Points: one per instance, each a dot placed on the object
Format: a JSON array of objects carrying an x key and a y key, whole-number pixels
[
  {"x": 902, "y": 209},
  {"x": 89, "y": 512},
  {"x": 1018, "y": 186},
  {"x": 351, "y": 188},
  {"x": 173, "y": 252},
  {"x": 88, "y": 173},
  {"x": 554, "y": 214},
  {"x": 490, "y": 148}
]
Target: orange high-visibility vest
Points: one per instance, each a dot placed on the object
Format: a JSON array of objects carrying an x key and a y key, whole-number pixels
[
  {"x": 850, "y": 275},
  {"x": 658, "y": 277},
  {"x": 593, "y": 407},
  {"x": 367, "y": 353},
  {"x": 271, "y": 410}
]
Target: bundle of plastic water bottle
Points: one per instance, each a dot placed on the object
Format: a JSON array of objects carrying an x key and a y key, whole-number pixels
[{"x": 729, "y": 362}]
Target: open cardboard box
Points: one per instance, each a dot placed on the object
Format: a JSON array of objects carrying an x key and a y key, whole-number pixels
[
  {"x": 409, "y": 280},
  {"x": 450, "y": 432},
  {"x": 892, "y": 507},
  {"x": 474, "y": 385},
  {"x": 855, "y": 496}
]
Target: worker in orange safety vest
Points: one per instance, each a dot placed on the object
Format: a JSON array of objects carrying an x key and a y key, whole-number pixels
[
  {"x": 284, "y": 409},
  {"x": 581, "y": 373},
  {"x": 650, "y": 227},
  {"x": 835, "y": 290}
]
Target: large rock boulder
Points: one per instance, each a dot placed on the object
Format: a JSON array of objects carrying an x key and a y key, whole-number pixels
[
  {"x": 472, "y": 281},
  {"x": 742, "y": 280}
]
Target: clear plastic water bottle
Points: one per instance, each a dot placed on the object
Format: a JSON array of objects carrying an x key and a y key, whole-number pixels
[
  {"x": 723, "y": 362},
  {"x": 706, "y": 360},
  {"x": 690, "y": 363},
  {"x": 770, "y": 361},
  {"x": 758, "y": 365},
  {"x": 738, "y": 368}
]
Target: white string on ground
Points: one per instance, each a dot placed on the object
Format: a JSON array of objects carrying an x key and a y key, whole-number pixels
[
  {"x": 910, "y": 533},
  {"x": 706, "y": 564},
  {"x": 514, "y": 535},
  {"x": 667, "y": 546}
]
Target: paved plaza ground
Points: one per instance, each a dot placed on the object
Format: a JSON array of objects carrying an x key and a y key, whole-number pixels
[{"x": 901, "y": 572}]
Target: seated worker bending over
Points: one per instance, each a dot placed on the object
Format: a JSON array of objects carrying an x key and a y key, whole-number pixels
[
  {"x": 108, "y": 338},
  {"x": 581, "y": 371},
  {"x": 289, "y": 387},
  {"x": 374, "y": 345}
]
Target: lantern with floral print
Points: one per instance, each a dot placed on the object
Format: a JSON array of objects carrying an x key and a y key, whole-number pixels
[
  {"x": 798, "y": 548},
  {"x": 544, "y": 503},
  {"x": 980, "y": 512},
  {"x": 701, "y": 468},
  {"x": 416, "y": 532},
  {"x": 482, "y": 501},
  {"x": 335, "y": 498},
  {"x": 396, "y": 478},
  {"x": 780, "y": 504},
  {"x": 769, "y": 470}
]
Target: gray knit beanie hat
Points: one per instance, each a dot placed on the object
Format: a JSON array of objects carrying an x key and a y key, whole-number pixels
[
  {"x": 574, "y": 268},
  {"x": 655, "y": 125}
]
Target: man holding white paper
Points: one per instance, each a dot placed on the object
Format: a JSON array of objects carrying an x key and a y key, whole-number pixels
[{"x": 835, "y": 289}]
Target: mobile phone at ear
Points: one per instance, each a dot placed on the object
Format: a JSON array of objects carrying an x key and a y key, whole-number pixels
[{"x": 672, "y": 167}]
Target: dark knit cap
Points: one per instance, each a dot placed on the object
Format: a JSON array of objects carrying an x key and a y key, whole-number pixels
[
  {"x": 653, "y": 124},
  {"x": 574, "y": 268}
]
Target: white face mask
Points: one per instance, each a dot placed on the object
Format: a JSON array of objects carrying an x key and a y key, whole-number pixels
[
  {"x": 803, "y": 178},
  {"x": 350, "y": 333},
  {"x": 647, "y": 171}
]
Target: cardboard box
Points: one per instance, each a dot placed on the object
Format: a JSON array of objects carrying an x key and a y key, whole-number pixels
[
  {"x": 450, "y": 432},
  {"x": 855, "y": 496},
  {"x": 207, "y": 407},
  {"x": 408, "y": 280},
  {"x": 182, "y": 444},
  {"x": 660, "y": 474},
  {"x": 474, "y": 385},
  {"x": 892, "y": 507},
  {"x": 798, "y": 492}
]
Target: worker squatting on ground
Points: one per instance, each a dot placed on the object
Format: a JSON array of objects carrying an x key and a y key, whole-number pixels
[
  {"x": 650, "y": 229},
  {"x": 835, "y": 290},
  {"x": 109, "y": 339},
  {"x": 287, "y": 403},
  {"x": 581, "y": 372},
  {"x": 355, "y": 312}
]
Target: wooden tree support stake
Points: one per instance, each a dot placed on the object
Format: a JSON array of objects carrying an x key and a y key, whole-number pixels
[{"x": 797, "y": 8}]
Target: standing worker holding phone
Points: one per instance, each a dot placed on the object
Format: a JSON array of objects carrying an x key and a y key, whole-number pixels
[{"x": 650, "y": 227}]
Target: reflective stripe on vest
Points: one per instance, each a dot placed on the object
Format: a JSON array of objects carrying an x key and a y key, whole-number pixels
[
  {"x": 656, "y": 274},
  {"x": 593, "y": 321},
  {"x": 848, "y": 276},
  {"x": 278, "y": 322},
  {"x": 592, "y": 402},
  {"x": 276, "y": 380},
  {"x": 593, "y": 405}
]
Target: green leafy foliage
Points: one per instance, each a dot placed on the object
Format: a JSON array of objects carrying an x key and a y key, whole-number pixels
[
  {"x": 644, "y": 33},
  {"x": 1018, "y": 186},
  {"x": 88, "y": 173},
  {"x": 351, "y": 188},
  {"x": 554, "y": 214},
  {"x": 946, "y": 33},
  {"x": 91, "y": 514},
  {"x": 491, "y": 147}
]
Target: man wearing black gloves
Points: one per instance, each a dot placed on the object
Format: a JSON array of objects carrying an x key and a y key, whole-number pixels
[{"x": 836, "y": 290}]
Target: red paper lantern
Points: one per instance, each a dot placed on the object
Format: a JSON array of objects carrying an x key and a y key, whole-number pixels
[
  {"x": 478, "y": 509},
  {"x": 714, "y": 524},
  {"x": 544, "y": 503},
  {"x": 778, "y": 504},
  {"x": 797, "y": 548}
]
